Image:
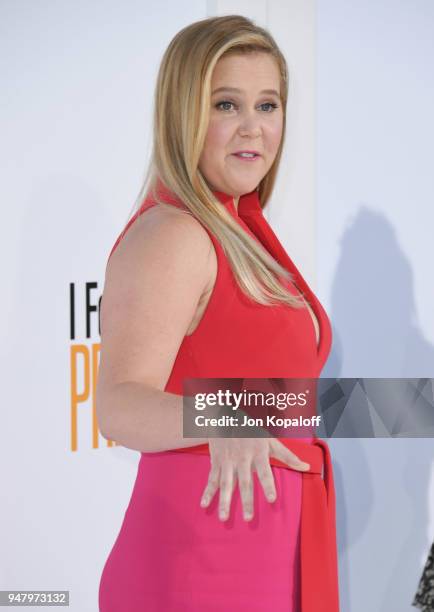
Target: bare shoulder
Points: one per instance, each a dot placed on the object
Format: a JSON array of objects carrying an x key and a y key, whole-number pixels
[
  {"x": 168, "y": 228},
  {"x": 154, "y": 283}
]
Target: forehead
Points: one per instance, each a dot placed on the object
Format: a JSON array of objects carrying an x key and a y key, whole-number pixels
[{"x": 253, "y": 70}]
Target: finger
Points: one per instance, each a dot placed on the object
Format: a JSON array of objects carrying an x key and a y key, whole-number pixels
[
  {"x": 281, "y": 452},
  {"x": 266, "y": 478},
  {"x": 245, "y": 482},
  {"x": 226, "y": 489},
  {"x": 211, "y": 486}
]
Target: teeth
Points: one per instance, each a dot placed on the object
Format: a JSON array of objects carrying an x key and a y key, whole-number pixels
[{"x": 246, "y": 154}]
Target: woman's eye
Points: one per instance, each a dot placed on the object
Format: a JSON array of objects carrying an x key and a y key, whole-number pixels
[
  {"x": 273, "y": 106},
  {"x": 219, "y": 105}
]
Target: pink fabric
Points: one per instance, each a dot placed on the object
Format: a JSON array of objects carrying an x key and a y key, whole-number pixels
[{"x": 171, "y": 555}]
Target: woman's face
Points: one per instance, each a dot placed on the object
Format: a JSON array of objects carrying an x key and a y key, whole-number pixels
[{"x": 242, "y": 118}]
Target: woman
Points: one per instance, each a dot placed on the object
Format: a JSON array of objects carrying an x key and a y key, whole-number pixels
[{"x": 200, "y": 287}]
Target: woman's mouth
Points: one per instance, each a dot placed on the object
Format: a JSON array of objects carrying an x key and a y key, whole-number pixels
[{"x": 249, "y": 157}]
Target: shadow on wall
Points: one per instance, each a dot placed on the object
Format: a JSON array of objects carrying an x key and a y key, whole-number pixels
[{"x": 382, "y": 485}]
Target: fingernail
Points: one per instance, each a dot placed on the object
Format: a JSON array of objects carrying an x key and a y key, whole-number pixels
[
  {"x": 203, "y": 502},
  {"x": 271, "y": 497},
  {"x": 248, "y": 516}
]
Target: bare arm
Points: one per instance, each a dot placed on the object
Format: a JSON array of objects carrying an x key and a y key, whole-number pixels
[
  {"x": 154, "y": 280},
  {"x": 145, "y": 418}
]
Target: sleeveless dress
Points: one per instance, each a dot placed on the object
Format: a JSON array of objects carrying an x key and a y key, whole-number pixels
[{"x": 171, "y": 555}]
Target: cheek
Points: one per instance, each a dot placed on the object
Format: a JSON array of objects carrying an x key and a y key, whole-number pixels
[
  {"x": 213, "y": 148},
  {"x": 274, "y": 134},
  {"x": 218, "y": 135}
]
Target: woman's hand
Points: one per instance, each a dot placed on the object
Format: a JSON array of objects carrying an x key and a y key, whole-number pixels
[{"x": 239, "y": 457}]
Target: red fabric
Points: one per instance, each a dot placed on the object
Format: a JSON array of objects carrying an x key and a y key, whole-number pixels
[{"x": 283, "y": 345}]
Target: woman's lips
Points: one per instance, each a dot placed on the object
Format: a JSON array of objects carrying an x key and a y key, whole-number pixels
[{"x": 247, "y": 159}]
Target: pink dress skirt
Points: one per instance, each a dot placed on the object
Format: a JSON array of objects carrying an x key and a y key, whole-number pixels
[{"x": 171, "y": 555}]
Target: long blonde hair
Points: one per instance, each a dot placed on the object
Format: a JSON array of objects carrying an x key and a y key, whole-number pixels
[{"x": 181, "y": 117}]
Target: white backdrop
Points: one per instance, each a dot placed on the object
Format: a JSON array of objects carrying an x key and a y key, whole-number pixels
[
  {"x": 352, "y": 206},
  {"x": 374, "y": 217}
]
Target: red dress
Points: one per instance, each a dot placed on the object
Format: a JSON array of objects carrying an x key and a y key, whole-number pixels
[{"x": 171, "y": 555}]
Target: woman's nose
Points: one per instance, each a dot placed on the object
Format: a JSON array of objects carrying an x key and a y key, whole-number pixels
[{"x": 249, "y": 124}]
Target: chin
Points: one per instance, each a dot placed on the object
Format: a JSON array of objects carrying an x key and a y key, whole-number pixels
[
  {"x": 241, "y": 187},
  {"x": 250, "y": 187}
]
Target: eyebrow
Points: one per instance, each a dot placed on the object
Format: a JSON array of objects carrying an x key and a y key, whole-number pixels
[{"x": 236, "y": 90}]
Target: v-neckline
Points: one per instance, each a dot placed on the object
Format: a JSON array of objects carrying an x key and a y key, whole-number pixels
[{"x": 250, "y": 214}]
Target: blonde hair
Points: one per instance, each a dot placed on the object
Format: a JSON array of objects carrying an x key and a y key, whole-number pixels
[{"x": 181, "y": 116}]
